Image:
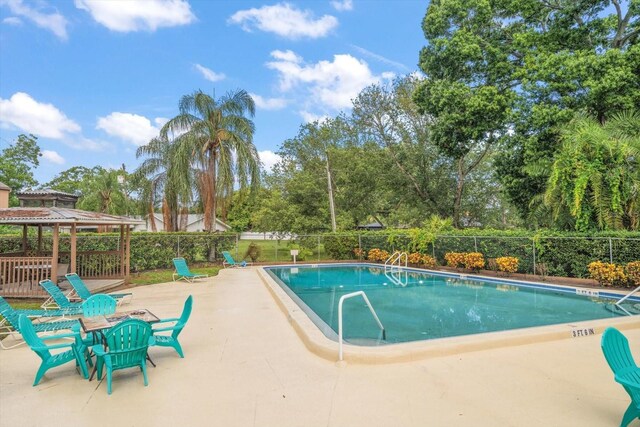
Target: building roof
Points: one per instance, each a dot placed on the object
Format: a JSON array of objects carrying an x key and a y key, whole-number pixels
[
  {"x": 4, "y": 186},
  {"x": 45, "y": 192},
  {"x": 56, "y": 215}
]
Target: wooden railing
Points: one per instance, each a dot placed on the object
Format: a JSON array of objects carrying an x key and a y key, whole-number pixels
[
  {"x": 19, "y": 276},
  {"x": 99, "y": 264}
]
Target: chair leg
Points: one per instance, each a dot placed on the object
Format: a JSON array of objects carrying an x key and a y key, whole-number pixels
[
  {"x": 109, "y": 372},
  {"x": 80, "y": 362},
  {"x": 43, "y": 368},
  {"x": 143, "y": 366},
  {"x": 630, "y": 414},
  {"x": 178, "y": 348}
]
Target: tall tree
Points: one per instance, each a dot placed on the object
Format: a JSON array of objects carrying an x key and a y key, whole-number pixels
[
  {"x": 467, "y": 91},
  {"x": 170, "y": 176},
  {"x": 219, "y": 138},
  {"x": 595, "y": 177},
  {"x": 17, "y": 163}
]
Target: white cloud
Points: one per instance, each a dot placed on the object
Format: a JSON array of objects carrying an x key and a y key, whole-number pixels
[
  {"x": 268, "y": 159},
  {"x": 149, "y": 15},
  {"x": 311, "y": 117},
  {"x": 53, "y": 21},
  {"x": 331, "y": 84},
  {"x": 160, "y": 121},
  {"x": 40, "y": 119},
  {"x": 284, "y": 20},
  {"x": 86, "y": 144},
  {"x": 343, "y": 5},
  {"x": 12, "y": 20},
  {"x": 269, "y": 103},
  {"x": 53, "y": 157},
  {"x": 129, "y": 127},
  {"x": 209, "y": 74}
]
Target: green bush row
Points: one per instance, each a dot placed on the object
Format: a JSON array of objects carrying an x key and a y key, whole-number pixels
[{"x": 148, "y": 250}]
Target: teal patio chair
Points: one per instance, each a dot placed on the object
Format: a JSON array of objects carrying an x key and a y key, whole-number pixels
[
  {"x": 29, "y": 312},
  {"x": 615, "y": 347},
  {"x": 74, "y": 353},
  {"x": 230, "y": 262},
  {"x": 162, "y": 340},
  {"x": 183, "y": 272},
  {"x": 126, "y": 347},
  {"x": 99, "y": 305},
  {"x": 12, "y": 327},
  {"x": 57, "y": 296},
  {"x": 80, "y": 289}
]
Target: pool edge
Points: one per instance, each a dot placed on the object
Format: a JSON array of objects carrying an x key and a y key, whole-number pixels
[{"x": 318, "y": 343}]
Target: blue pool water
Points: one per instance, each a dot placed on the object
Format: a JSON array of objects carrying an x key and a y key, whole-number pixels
[{"x": 415, "y": 305}]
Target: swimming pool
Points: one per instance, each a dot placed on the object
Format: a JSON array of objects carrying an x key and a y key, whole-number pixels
[{"x": 415, "y": 305}]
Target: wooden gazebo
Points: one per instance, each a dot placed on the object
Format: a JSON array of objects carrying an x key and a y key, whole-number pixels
[{"x": 23, "y": 268}]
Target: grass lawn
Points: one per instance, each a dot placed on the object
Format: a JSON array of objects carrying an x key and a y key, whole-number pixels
[
  {"x": 144, "y": 278},
  {"x": 276, "y": 251}
]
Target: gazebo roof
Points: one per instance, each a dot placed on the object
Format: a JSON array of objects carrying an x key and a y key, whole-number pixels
[
  {"x": 56, "y": 215},
  {"x": 45, "y": 192}
]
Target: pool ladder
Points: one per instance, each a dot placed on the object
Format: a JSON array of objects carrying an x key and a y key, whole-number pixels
[
  {"x": 395, "y": 261},
  {"x": 624, "y": 298},
  {"x": 373, "y": 312}
]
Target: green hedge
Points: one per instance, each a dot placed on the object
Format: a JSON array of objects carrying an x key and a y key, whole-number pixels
[
  {"x": 564, "y": 254},
  {"x": 148, "y": 250}
]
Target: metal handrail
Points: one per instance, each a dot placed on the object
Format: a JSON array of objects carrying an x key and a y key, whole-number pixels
[
  {"x": 624, "y": 298},
  {"x": 396, "y": 257},
  {"x": 373, "y": 312}
]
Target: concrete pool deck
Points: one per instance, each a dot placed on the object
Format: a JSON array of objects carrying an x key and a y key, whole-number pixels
[{"x": 245, "y": 365}]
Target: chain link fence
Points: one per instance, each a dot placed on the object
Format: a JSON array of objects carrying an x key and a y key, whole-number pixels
[{"x": 558, "y": 256}]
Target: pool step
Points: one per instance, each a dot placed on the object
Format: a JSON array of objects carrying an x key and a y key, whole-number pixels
[
  {"x": 365, "y": 341},
  {"x": 633, "y": 308}
]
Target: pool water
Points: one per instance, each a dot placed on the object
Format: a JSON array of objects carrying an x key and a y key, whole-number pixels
[{"x": 414, "y": 305}]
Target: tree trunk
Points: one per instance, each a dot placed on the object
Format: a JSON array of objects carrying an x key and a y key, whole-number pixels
[
  {"x": 152, "y": 218},
  {"x": 332, "y": 207},
  {"x": 458, "y": 200},
  {"x": 214, "y": 198},
  {"x": 166, "y": 215}
]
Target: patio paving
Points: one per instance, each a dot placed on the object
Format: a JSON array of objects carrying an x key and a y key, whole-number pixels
[{"x": 245, "y": 366}]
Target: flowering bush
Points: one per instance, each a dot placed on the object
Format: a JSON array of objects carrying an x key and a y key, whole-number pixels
[
  {"x": 633, "y": 273},
  {"x": 474, "y": 261},
  {"x": 428, "y": 261},
  {"x": 415, "y": 258},
  {"x": 377, "y": 255},
  {"x": 507, "y": 264},
  {"x": 454, "y": 259},
  {"x": 606, "y": 274},
  {"x": 359, "y": 253}
]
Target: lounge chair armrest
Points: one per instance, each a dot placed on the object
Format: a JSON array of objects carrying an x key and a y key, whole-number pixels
[
  {"x": 53, "y": 337},
  {"x": 99, "y": 350},
  {"x": 174, "y": 319},
  {"x": 168, "y": 328},
  {"x": 152, "y": 341},
  {"x": 54, "y": 346}
]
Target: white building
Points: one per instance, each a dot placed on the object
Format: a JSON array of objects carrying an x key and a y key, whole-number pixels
[{"x": 195, "y": 222}]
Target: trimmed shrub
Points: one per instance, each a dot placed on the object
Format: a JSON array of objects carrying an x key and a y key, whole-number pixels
[
  {"x": 632, "y": 270},
  {"x": 428, "y": 261},
  {"x": 377, "y": 255},
  {"x": 454, "y": 259},
  {"x": 474, "y": 261},
  {"x": 606, "y": 274},
  {"x": 507, "y": 264}
]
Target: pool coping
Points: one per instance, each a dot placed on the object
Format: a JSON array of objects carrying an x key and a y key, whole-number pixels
[{"x": 318, "y": 343}]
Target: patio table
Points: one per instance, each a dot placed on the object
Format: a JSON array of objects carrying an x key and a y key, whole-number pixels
[{"x": 96, "y": 325}]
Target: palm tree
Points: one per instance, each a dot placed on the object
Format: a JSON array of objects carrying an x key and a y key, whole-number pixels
[
  {"x": 218, "y": 137},
  {"x": 170, "y": 177},
  {"x": 595, "y": 177}
]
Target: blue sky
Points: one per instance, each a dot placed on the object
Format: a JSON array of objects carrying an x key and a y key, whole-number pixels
[{"x": 94, "y": 79}]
